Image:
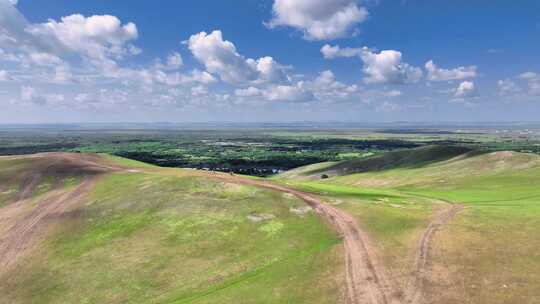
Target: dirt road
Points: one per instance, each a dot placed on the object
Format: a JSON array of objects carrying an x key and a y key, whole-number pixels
[
  {"x": 366, "y": 278},
  {"x": 414, "y": 289}
]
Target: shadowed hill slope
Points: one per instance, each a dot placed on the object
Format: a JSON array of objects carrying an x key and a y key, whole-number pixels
[
  {"x": 23, "y": 177},
  {"x": 405, "y": 159},
  {"x": 36, "y": 192},
  {"x": 463, "y": 170}
]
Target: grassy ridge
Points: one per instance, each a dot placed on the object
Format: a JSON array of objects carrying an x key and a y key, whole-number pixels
[
  {"x": 165, "y": 237},
  {"x": 157, "y": 238},
  {"x": 488, "y": 254},
  {"x": 404, "y": 159}
]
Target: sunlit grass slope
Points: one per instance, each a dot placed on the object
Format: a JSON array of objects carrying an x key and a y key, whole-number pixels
[
  {"x": 489, "y": 253},
  {"x": 161, "y": 236}
]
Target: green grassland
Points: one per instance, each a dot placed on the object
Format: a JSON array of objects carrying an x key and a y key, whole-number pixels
[
  {"x": 159, "y": 235},
  {"x": 490, "y": 251},
  {"x": 163, "y": 237}
]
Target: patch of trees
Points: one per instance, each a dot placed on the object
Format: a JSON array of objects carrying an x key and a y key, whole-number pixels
[{"x": 31, "y": 149}]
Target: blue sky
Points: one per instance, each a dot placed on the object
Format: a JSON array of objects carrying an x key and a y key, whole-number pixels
[{"x": 275, "y": 60}]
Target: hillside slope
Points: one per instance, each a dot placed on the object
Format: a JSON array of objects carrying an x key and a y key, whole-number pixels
[
  {"x": 81, "y": 228},
  {"x": 461, "y": 170},
  {"x": 404, "y": 159},
  {"x": 427, "y": 225},
  {"x": 488, "y": 252}
]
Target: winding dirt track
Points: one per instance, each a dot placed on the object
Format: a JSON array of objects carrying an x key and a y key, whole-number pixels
[
  {"x": 414, "y": 290},
  {"x": 366, "y": 278}
]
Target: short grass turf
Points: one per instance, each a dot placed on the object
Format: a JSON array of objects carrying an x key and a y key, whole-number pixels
[
  {"x": 153, "y": 238},
  {"x": 489, "y": 253}
]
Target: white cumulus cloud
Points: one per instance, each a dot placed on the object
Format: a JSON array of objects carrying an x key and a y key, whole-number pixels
[
  {"x": 327, "y": 87},
  {"x": 248, "y": 92},
  {"x": 220, "y": 57},
  {"x": 507, "y": 87},
  {"x": 331, "y": 52},
  {"x": 291, "y": 93},
  {"x": 201, "y": 77},
  {"x": 97, "y": 37},
  {"x": 319, "y": 19},
  {"x": 29, "y": 95},
  {"x": 392, "y": 93},
  {"x": 4, "y": 75},
  {"x": 530, "y": 76},
  {"x": 174, "y": 61},
  {"x": 389, "y": 107},
  {"x": 388, "y": 67},
  {"x": 270, "y": 70},
  {"x": 45, "y": 59},
  {"x": 533, "y": 81},
  {"x": 47, "y": 50},
  {"x": 465, "y": 89},
  {"x": 435, "y": 73},
  {"x": 385, "y": 67}
]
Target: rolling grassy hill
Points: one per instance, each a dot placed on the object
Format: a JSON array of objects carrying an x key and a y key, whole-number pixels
[
  {"x": 78, "y": 228},
  {"x": 404, "y": 159},
  {"x": 488, "y": 253},
  {"x": 458, "y": 225}
]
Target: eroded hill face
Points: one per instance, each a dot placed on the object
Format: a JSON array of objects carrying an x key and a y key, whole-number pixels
[
  {"x": 26, "y": 176},
  {"x": 39, "y": 193}
]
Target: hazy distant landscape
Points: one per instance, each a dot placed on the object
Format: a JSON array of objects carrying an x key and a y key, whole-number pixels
[{"x": 257, "y": 149}]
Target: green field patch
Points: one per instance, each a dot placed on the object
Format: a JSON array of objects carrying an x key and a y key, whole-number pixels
[
  {"x": 341, "y": 190},
  {"x": 272, "y": 227},
  {"x": 100, "y": 234},
  {"x": 272, "y": 270}
]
